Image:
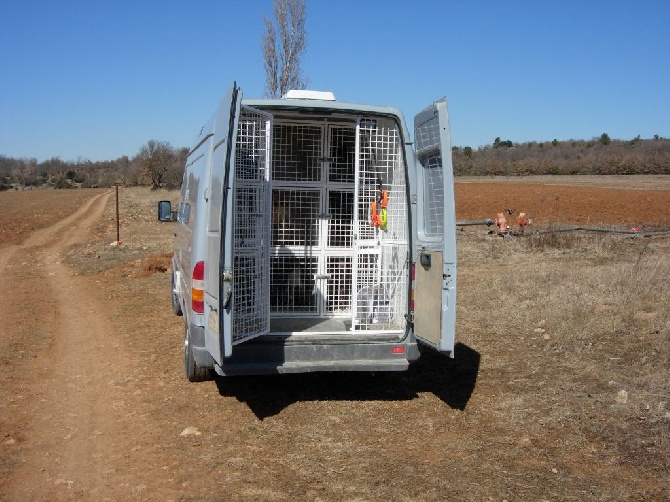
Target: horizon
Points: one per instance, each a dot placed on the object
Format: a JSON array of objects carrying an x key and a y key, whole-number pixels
[{"x": 595, "y": 139}]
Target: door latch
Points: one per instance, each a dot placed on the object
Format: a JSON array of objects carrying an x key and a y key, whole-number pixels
[
  {"x": 425, "y": 260},
  {"x": 227, "y": 278}
]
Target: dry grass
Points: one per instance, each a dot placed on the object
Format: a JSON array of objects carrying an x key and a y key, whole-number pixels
[
  {"x": 146, "y": 242},
  {"x": 582, "y": 318}
]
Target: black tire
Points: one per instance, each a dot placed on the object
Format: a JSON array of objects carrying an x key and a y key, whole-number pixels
[
  {"x": 176, "y": 306},
  {"x": 194, "y": 373}
]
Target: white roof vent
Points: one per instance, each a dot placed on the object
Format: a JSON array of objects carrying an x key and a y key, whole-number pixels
[{"x": 306, "y": 94}]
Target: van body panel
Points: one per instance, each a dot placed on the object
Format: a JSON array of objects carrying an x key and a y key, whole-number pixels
[
  {"x": 200, "y": 352},
  {"x": 188, "y": 250}
]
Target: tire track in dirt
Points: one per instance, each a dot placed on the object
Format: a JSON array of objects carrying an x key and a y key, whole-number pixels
[
  {"x": 43, "y": 236},
  {"x": 70, "y": 441}
]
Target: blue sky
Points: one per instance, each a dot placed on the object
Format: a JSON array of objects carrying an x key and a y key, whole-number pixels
[{"x": 97, "y": 79}]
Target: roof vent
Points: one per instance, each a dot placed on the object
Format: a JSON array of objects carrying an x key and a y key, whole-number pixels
[{"x": 306, "y": 94}]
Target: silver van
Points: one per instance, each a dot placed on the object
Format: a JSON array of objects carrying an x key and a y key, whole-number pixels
[{"x": 314, "y": 235}]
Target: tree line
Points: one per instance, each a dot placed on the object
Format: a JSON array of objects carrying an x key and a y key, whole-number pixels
[
  {"x": 157, "y": 164},
  {"x": 601, "y": 155}
]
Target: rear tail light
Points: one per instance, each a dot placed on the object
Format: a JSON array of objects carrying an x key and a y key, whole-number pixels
[{"x": 198, "y": 288}]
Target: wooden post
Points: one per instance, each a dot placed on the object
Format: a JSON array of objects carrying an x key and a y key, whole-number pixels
[{"x": 118, "y": 238}]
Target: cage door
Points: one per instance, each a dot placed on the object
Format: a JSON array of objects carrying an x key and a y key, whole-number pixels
[
  {"x": 251, "y": 271},
  {"x": 381, "y": 261}
]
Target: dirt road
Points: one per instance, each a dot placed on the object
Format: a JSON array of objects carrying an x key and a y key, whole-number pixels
[{"x": 67, "y": 417}]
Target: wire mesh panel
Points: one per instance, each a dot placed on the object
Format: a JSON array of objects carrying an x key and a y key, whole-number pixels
[
  {"x": 397, "y": 228},
  {"x": 382, "y": 288},
  {"x": 369, "y": 182},
  {"x": 381, "y": 169},
  {"x": 338, "y": 291},
  {"x": 341, "y": 154},
  {"x": 395, "y": 271},
  {"x": 292, "y": 284},
  {"x": 250, "y": 215},
  {"x": 297, "y": 152},
  {"x": 367, "y": 280},
  {"x": 251, "y": 147},
  {"x": 381, "y": 250},
  {"x": 428, "y": 150},
  {"x": 434, "y": 190},
  {"x": 329, "y": 257},
  {"x": 295, "y": 217},
  {"x": 250, "y": 295},
  {"x": 251, "y": 260},
  {"x": 340, "y": 218},
  {"x": 367, "y": 267}
]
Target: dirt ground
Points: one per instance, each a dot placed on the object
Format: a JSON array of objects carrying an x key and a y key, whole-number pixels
[
  {"x": 580, "y": 200},
  {"x": 94, "y": 404}
]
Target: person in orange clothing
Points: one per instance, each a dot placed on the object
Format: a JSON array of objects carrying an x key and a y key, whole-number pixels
[
  {"x": 521, "y": 223},
  {"x": 501, "y": 223}
]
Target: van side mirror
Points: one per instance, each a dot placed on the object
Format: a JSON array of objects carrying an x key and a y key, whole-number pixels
[{"x": 165, "y": 211}]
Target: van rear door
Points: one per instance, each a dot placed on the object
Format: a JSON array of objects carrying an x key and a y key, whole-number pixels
[
  {"x": 435, "y": 249},
  {"x": 237, "y": 304}
]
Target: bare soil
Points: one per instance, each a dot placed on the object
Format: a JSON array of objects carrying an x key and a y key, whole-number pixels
[
  {"x": 627, "y": 201},
  {"x": 94, "y": 404}
]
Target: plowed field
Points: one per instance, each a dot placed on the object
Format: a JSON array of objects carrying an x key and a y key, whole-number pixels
[{"x": 615, "y": 201}]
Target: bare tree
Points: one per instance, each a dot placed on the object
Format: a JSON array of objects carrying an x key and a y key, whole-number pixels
[
  {"x": 281, "y": 56},
  {"x": 154, "y": 160}
]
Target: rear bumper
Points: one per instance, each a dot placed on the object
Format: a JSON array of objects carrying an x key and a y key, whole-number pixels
[
  {"x": 275, "y": 355},
  {"x": 281, "y": 356}
]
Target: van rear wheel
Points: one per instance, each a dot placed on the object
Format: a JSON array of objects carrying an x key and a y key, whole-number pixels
[{"x": 194, "y": 373}]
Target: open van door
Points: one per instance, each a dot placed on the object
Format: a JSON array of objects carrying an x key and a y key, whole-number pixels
[
  {"x": 218, "y": 201},
  {"x": 435, "y": 249},
  {"x": 238, "y": 199}
]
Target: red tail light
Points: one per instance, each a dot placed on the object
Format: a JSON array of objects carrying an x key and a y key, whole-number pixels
[{"x": 198, "y": 288}]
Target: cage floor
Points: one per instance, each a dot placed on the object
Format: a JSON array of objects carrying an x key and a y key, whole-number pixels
[{"x": 309, "y": 324}]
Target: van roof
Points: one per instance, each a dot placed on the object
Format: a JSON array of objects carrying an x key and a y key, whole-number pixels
[{"x": 324, "y": 106}]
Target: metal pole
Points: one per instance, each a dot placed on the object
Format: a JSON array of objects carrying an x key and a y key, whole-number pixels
[{"x": 118, "y": 238}]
